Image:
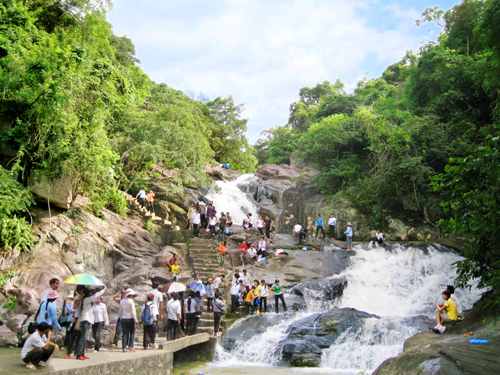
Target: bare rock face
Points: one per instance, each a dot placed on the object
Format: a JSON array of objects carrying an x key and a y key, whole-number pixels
[
  {"x": 220, "y": 174},
  {"x": 284, "y": 171},
  {"x": 9, "y": 338},
  {"x": 59, "y": 191}
]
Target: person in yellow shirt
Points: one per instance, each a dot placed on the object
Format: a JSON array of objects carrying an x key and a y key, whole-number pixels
[
  {"x": 175, "y": 271},
  {"x": 249, "y": 308},
  {"x": 445, "y": 312},
  {"x": 256, "y": 302}
]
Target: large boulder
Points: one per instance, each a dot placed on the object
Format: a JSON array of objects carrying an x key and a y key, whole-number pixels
[
  {"x": 7, "y": 337},
  {"x": 59, "y": 190},
  {"x": 325, "y": 289}
]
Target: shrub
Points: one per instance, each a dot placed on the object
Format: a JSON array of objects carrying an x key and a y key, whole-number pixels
[
  {"x": 4, "y": 277},
  {"x": 10, "y": 305},
  {"x": 111, "y": 199},
  {"x": 16, "y": 233}
]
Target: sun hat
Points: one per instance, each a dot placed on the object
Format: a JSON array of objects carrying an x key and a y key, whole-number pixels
[
  {"x": 52, "y": 295},
  {"x": 129, "y": 292},
  {"x": 349, "y": 223}
]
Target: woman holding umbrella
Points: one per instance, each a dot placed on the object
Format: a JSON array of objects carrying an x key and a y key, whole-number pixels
[{"x": 86, "y": 319}]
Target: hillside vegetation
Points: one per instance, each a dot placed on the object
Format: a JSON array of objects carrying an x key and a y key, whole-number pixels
[{"x": 422, "y": 138}]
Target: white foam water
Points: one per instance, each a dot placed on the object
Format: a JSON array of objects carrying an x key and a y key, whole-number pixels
[
  {"x": 393, "y": 284},
  {"x": 231, "y": 198}
]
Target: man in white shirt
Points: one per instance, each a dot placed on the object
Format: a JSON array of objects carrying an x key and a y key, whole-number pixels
[
  {"x": 142, "y": 196},
  {"x": 100, "y": 321},
  {"x": 173, "y": 316},
  {"x": 54, "y": 285},
  {"x": 332, "y": 222},
  {"x": 247, "y": 279},
  {"x": 218, "y": 283},
  {"x": 196, "y": 223},
  {"x": 156, "y": 310},
  {"x": 37, "y": 349},
  {"x": 252, "y": 253},
  {"x": 379, "y": 239},
  {"x": 128, "y": 316}
]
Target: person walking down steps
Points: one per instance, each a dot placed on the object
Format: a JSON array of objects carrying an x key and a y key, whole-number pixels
[
  {"x": 150, "y": 197},
  {"x": 141, "y": 195}
]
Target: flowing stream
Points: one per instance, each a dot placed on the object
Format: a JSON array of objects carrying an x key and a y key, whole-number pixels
[{"x": 396, "y": 284}]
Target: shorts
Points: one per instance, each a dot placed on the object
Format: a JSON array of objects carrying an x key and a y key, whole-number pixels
[
  {"x": 349, "y": 240},
  {"x": 444, "y": 316}
]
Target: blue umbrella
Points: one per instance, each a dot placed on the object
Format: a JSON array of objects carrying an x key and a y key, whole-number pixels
[{"x": 197, "y": 287}]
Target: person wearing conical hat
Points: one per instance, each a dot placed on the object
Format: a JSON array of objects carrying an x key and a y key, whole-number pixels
[{"x": 349, "y": 233}]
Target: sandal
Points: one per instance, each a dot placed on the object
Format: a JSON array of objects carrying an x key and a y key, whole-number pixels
[
  {"x": 67, "y": 357},
  {"x": 31, "y": 366}
]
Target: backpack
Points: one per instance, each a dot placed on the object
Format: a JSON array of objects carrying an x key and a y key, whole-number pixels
[{"x": 146, "y": 316}]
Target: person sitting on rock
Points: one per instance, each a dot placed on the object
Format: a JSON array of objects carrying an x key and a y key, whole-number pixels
[
  {"x": 171, "y": 262},
  {"x": 445, "y": 312},
  {"x": 453, "y": 296},
  {"x": 175, "y": 271},
  {"x": 141, "y": 195},
  {"x": 378, "y": 239},
  {"x": 301, "y": 232},
  {"x": 252, "y": 253},
  {"x": 229, "y": 220},
  {"x": 38, "y": 348}
]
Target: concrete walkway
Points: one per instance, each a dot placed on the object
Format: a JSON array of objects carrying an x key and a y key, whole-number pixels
[{"x": 110, "y": 362}]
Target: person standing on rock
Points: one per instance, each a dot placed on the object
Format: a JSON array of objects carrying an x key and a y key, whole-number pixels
[
  {"x": 173, "y": 317},
  {"x": 37, "y": 349},
  {"x": 196, "y": 223},
  {"x": 198, "y": 312},
  {"x": 210, "y": 289},
  {"x": 156, "y": 310},
  {"x": 150, "y": 199},
  {"x": 128, "y": 316},
  {"x": 100, "y": 321},
  {"x": 243, "y": 252},
  {"x": 222, "y": 255},
  {"x": 264, "y": 293},
  {"x": 86, "y": 320},
  {"x": 236, "y": 293},
  {"x": 218, "y": 283},
  {"x": 269, "y": 224},
  {"x": 278, "y": 295},
  {"x": 203, "y": 215},
  {"x": 217, "y": 306},
  {"x": 349, "y": 233},
  {"x": 320, "y": 225},
  {"x": 141, "y": 195},
  {"x": 54, "y": 285},
  {"x": 247, "y": 280},
  {"x": 256, "y": 301},
  {"x": 260, "y": 225},
  {"x": 212, "y": 223},
  {"x": 332, "y": 222},
  {"x": 249, "y": 301},
  {"x": 222, "y": 225},
  {"x": 190, "y": 217}
]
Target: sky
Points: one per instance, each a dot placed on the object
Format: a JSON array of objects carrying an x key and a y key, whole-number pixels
[{"x": 263, "y": 52}]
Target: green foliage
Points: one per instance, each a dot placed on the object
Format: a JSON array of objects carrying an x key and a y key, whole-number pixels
[
  {"x": 110, "y": 199},
  {"x": 11, "y": 304},
  {"x": 13, "y": 197},
  {"x": 77, "y": 230},
  {"x": 4, "y": 277},
  {"x": 16, "y": 234},
  {"x": 149, "y": 225}
]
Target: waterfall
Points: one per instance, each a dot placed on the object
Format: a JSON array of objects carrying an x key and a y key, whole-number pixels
[
  {"x": 229, "y": 197},
  {"x": 396, "y": 285}
]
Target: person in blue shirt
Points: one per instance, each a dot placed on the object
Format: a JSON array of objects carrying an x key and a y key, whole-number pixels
[
  {"x": 349, "y": 233},
  {"x": 320, "y": 225},
  {"x": 68, "y": 311},
  {"x": 48, "y": 313}
]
